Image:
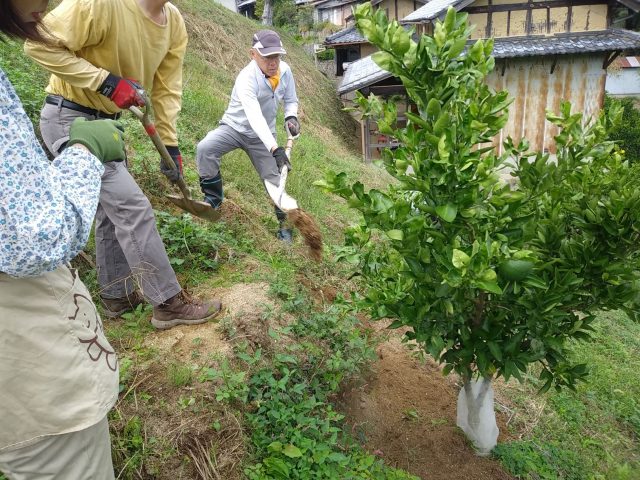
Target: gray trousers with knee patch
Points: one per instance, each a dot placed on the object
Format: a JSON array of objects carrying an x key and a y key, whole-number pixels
[{"x": 129, "y": 249}]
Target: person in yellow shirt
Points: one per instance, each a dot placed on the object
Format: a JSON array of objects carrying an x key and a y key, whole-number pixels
[{"x": 104, "y": 54}]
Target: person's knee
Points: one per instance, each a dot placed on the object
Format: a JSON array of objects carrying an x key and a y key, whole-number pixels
[{"x": 207, "y": 158}]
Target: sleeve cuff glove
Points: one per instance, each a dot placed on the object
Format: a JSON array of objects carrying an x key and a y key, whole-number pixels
[
  {"x": 173, "y": 174},
  {"x": 292, "y": 125},
  {"x": 124, "y": 92},
  {"x": 103, "y": 138}
]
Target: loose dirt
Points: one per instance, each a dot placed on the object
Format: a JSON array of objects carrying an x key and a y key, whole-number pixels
[
  {"x": 309, "y": 230},
  {"x": 405, "y": 413}
]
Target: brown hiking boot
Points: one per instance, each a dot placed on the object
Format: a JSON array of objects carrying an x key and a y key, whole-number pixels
[
  {"x": 115, "y": 307},
  {"x": 183, "y": 309}
]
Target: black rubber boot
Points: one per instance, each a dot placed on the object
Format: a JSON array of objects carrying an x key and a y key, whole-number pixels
[
  {"x": 284, "y": 234},
  {"x": 212, "y": 189}
]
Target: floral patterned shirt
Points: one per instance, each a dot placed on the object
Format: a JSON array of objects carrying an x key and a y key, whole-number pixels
[{"x": 46, "y": 208}]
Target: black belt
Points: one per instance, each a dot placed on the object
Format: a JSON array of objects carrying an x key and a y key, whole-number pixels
[{"x": 61, "y": 102}]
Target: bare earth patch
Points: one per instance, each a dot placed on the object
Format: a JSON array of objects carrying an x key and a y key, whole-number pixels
[{"x": 406, "y": 414}]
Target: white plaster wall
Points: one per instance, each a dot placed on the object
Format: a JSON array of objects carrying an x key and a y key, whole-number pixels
[{"x": 623, "y": 82}]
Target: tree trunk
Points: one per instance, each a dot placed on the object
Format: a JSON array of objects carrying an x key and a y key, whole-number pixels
[
  {"x": 476, "y": 416},
  {"x": 267, "y": 13}
]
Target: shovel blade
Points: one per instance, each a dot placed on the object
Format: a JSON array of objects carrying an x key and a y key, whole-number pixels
[
  {"x": 197, "y": 208},
  {"x": 278, "y": 194}
]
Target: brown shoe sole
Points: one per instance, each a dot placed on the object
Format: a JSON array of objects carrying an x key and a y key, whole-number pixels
[{"x": 167, "y": 324}]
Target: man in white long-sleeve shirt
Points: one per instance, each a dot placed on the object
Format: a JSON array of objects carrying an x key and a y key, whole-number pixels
[{"x": 249, "y": 122}]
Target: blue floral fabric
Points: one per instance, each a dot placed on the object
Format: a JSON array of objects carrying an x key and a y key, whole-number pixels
[{"x": 46, "y": 208}]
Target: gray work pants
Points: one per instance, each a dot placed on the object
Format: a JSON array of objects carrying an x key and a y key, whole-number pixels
[
  {"x": 225, "y": 139},
  {"x": 79, "y": 455},
  {"x": 129, "y": 249}
]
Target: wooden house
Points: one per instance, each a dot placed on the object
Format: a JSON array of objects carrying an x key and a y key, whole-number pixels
[
  {"x": 546, "y": 51},
  {"x": 350, "y": 46}
]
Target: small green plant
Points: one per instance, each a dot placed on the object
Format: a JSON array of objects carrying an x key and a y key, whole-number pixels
[
  {"x": 191, "y": 244},
  {"x": 410, "y": 414},
  {"x": 186, "y": 402},
  {"x": 180, "y": 375},
  {"x": 130, "y": 446},
  {"x": 231, "y": 384}
]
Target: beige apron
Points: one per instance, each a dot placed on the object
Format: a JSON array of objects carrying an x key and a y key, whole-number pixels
[{"x": 58, "y": 373}]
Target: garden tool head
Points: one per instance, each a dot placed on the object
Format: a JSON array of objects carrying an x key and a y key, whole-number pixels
[
  {"x": 305, "y": 224},
  {"x": 185, "y": 202}
]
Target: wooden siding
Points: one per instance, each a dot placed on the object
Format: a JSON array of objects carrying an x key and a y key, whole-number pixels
[
  {"x": 367, "y": 49},
  {"x": 578, "y": 79},
  {"x": 509, "y": 18},
  {"x": 397, "y": 9}
]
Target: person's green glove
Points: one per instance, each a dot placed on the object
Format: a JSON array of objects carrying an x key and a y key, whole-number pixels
[{"x": 103, "y": 138}]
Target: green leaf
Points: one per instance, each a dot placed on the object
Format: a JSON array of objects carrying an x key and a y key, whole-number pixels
[
  {"x": 395, "y": 234},
  {"x": 433, "y": 108},
  {"x": 383, "y": 59},
  {"x": 276, "y": 467},
  {"x": 400, "y": 41},
  {"x": 291, "y": 451},
  {"x": 489, "y": 286},
  {"x": 495, "y": 350},
  {"x": 447, "y": 212},
  {"x": 275, "y": 447},
  {"x": 457, "y": 47},
  {"x": 460, "y": 259}
]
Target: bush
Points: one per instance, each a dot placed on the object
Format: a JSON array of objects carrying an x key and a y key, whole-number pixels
[
  {"x": 328, "y": 54},
  {"x": 627, "y": 133}
]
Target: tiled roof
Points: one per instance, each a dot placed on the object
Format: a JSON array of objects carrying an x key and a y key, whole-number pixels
[
  {"x": 567, "y": 43},
  {"x": 632, "y": 4},
  {"x": 361, "y": 73},
  {"x": 365, "y": 72},
  {"x": 435, "y": 8},
  {"x": 348, "y": 35},
  {"x": 351, "y": 35},
  {"x": 334, "y": 3}
]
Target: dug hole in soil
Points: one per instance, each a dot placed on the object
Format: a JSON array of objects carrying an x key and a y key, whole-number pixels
[{"x": 405, "y": 413}]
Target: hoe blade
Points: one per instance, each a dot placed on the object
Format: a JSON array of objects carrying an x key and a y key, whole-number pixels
[{"x": 194, "y": 207}]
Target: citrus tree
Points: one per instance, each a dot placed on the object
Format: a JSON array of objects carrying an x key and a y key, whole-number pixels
[{"x": 490, "y": 276}]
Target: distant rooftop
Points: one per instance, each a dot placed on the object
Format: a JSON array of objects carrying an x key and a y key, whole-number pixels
[
  {"x": 348, "y": 35},
  {"x": 435, "y": 8}
]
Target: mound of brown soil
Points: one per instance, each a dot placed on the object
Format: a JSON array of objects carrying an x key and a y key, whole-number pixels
[{"x": 406, "y": 414}]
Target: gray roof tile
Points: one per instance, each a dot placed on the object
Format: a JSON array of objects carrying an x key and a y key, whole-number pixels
[
  {"x": 348, "y": 35},
  {"x": 365, "y": 72},
  {"x": 435, "y": 8}
]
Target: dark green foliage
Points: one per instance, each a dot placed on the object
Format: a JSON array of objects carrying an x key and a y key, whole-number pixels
[
  {"x": 328, "y": 54},
  {"x": 529, "y": 460},
  {"x": 430, "y": 247},
  {"x": 627, "y": 132},
  {"x": 192, "y": 245}
]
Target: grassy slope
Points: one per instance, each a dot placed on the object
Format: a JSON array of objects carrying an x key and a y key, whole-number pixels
[{"x": 589, "y": 435}]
